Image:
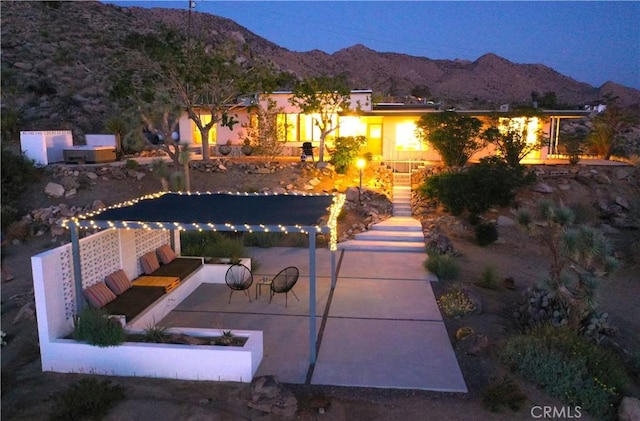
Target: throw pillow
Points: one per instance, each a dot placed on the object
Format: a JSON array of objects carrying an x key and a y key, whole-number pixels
[
  {"x": 99, "y": 295},
  {"x": 149, "y": 262},
  {"x": 166, "y": 254},
  {"x": 118, "y": 282}
]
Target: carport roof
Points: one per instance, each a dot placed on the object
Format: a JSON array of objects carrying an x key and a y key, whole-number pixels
[{"x": 219, "y": 211}]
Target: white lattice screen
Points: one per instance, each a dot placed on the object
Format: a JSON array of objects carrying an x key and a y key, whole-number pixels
[
  {"x": 99, "y": 256},
  {"x": 149, "y": 240}
]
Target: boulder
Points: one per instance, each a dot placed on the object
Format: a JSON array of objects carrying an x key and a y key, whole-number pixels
[
  {"x": 622, "y": 173},
  {"x": 601, "y": 178},
  {"x": 543, "y": 188},
  {"x": 54, "y": 190},
  {"x": 352, "y": 194},
  {"x": 623, "y": 202},
  {"x": 629, "y": 409},
  {"x": 505, "y": 221},
  {"x": 269, "y": 395},
  {"x": 314, "y": 181}
]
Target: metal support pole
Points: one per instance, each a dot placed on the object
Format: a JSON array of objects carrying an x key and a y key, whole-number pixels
[
  {"x": 312, "y": 297},
  {"x": 77, "y": 269},
  {"x": 333, "y": 269}
]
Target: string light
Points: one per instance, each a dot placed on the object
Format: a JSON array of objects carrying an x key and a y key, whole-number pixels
[{"x": 88, "y": 221}]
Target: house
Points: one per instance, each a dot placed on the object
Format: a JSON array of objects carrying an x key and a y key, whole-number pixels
[{"x": 390, "y": 128}]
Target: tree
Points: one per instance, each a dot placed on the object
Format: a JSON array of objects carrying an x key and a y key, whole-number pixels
[
  {"x": 580, "y": 258},
  {"x": 609, "y": 128},
  {"x": 511, "y": 139},
  {"x": 263, "y": 131},
  {"x": 206, "y": 81},
  {"x": 322, "y": 97},
  {"x": 421, "y": 92},
  {"x": 456, "y": 137}
]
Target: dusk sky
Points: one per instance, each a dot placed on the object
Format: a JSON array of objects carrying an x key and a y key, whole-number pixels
[{"x": 592, "y": 41}]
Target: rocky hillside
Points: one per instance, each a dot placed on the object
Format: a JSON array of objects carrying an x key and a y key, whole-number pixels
[{"x": 56, "y": 65}]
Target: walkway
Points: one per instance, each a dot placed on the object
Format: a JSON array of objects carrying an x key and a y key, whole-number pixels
[{"x": 380, "y": 327}]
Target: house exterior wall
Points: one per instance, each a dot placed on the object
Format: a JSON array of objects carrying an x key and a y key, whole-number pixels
[{"x": 390, "y": 136}]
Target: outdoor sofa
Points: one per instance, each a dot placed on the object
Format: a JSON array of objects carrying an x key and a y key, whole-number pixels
[{"x": 162, "y": 271}]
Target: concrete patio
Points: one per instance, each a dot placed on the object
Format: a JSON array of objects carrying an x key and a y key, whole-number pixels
[{"x": 380, "y": 327}]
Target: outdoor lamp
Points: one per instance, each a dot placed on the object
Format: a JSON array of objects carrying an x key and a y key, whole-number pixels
[{"x": 360, "y": 163}]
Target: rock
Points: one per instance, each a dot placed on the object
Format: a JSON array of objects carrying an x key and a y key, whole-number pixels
[
  {"x": 352, "y": 194},
  {"x": 140, "y": 175},
  {"x": 464, "y": 331},
  {"x": 70, "y": 193},
  {"x": 263, "y": 170},
  {"x": 97, "y": 205},
  {"x": 278, "y": 190},
  {"x": 91, "y": 175},
  {"x": 509, "y": 283},
  {"x": 629, "y": 409},
  {"x": 25, "y": 312},
  {"x": 543, "y": 188},
  {"x": 623, "y": 202},
  {"x": 622, "y": 173},
  {"x": 54, "y": 190},
  {"x": 601, "y": 178},
  {"x": 57, "y": 231},
  {"x": 564, "y": 186},
  {"x": 222, "y": 168},
  {"x": 505, "y": 221},
  {"x": 314, "y": 181},
  {"x": 268, "y": 395}
]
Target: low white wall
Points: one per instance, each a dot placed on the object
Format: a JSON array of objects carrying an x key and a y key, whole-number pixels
[
  {"x": 173, "y": 361},
  {"x": 100, "y": 139},
  {"x": 45, "y": 147}
]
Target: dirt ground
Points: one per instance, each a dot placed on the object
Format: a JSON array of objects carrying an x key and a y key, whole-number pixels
[{"x": 27, "y": 392}]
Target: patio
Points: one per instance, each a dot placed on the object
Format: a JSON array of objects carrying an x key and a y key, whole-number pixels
[{"x": 380, "y": 327}]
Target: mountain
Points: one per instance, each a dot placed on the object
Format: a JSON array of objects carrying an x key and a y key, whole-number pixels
[{"x": 56, "y": 67}]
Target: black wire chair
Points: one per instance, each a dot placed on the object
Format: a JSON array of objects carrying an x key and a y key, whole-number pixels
[
  {"x": 283, "y": 282},
  {"x": 239, "y": 278}
]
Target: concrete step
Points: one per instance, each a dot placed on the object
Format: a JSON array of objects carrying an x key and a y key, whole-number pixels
[
  {"x": 363, "y": 245},
  {"x": 399, "y": 236},
  {"x": 398, "y": 223}
]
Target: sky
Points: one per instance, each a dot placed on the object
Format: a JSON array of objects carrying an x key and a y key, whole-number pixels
[{"x": 589, "y": 41}]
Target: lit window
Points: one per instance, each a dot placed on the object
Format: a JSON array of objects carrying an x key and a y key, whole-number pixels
[
  {"x": 518, "y": 124},
  {"x": 288, "y": 124},
  {"x": 197, "y": 138},
  {"x": 406, "y": 139},
  {"x": 352, "y": 126}
]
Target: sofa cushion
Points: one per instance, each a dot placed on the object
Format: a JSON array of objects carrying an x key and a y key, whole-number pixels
[
  {"x": 166, "y": 254},
  {"x": 149, "y": 262},
  {"x": 134, "y": 301},
  {"x": 118, "y": 282},
  {"x": 99, "y": 295},
  {"x": 181, "y": 267}
]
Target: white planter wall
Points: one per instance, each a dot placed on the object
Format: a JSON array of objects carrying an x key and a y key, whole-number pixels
[
  {"x": 54, "y": 290},
  {"x": 172, "y": 361}
]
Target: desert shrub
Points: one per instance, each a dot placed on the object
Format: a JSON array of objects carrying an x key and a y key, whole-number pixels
[
  {"x": 443, "y": 266},
  {"x": 156, "y": 334},
  {"x": 17, "y": 173},
  {"x": 262, "y": 239},
  {"x": 456, "y": 304},
  {"x": 347, "y": 148},
  {"x": 132, "y": 164},
  {"x": 568, "y": 367},
  {"x": 87, "y": 399},
  {"x": 489, "y": 183},
  {"x": 486, "y": 233},
  {"x": 488, "y": 278},
  {"x": 503, "y": 393},
  {"x": 212, "y": 244},
  {"x": 94, "y": 327}
]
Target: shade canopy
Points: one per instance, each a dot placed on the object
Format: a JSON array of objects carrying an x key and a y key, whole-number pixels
[{"x": 220, "y": 211}]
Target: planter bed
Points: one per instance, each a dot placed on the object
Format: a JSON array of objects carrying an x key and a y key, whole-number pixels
[{"x": 174, "y": 361}]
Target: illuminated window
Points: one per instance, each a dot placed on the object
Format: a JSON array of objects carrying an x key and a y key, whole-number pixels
[
  {"x": 406, "y": 139},
  {"x": 352, "y": 126},
  {"x": 518, "y": 124},
  {"x": 197, "y": 137},
  {"x": 308, "y": 129},
  {"x": 288, "y": 124}
]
